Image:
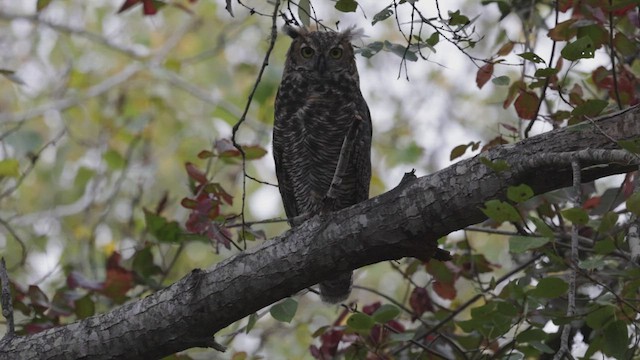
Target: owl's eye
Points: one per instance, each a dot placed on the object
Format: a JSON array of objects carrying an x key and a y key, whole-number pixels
[
  {"x": 335, "y": 53},
  {"x": 306, "y": 52}
]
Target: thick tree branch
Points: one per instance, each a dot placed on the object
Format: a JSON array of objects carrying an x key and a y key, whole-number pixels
[{"x": 404, "y": 222}]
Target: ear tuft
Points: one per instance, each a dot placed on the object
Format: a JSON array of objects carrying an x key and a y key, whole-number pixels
[
  {"x": 352, "y": 33},
  {"x": 294, "y": 32}
]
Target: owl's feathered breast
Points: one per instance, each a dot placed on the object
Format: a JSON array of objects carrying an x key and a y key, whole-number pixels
[{"x": 312, "y": 118}]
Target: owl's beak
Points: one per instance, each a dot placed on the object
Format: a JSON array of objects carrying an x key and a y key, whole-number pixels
[{"x": 321, "y": 64}]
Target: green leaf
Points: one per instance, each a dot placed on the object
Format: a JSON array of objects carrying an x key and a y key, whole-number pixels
[
  {"x": 162, "y": 229},
  {"x": 550, "y": 287},
  {"x": 401, "y": 51},
  {"x": 542, "y": 228},
  {"x": 385, "y": 313},
  {"x": 605, "y": 246},
  {"x": 582, "y": 48},
  {"x": 458, "y": 151},
  {"x": 346, "y": 5},
  {"x": 83, "y": 176},
  {"x": 632, "y": 145},
  {"x": 304, "y": 9},
  {"x": 608, "y": 221},
  {"x": 591, "y": 108},
  {"x": 600, "y": 317},
  {"x": 519, "y": 193},
  {"x": 455, "y": 18},
  {"x": 114, "y": 160},
  {"x": 253, "y": 319},
  {"x": 85, "y": 307},
  {"x": 531, "y": 57},
  {"x": 371, "y": 49},
  {"x": 546, "y": 72},
  {"x": 616, "y": 340},
  {"x": 633, "y": 203},
  {"x": 592, "y": 263},
  {"x": 143, "y": 263},
  {"x": 500, "y": 211},
  {"x": 253, "y": 152},
  {"x": 577, "y": 216},
  {"x": 503, "y": 80},
  {"x": 360, "y": 322},
  {"x": 41, "y": 4},
  {"x": 9, "y": 167},
  {"x": 495, "y": 165},
  {"x": 532, "y": 335},
  {"x": 520, "y": 244},
  {"x": 285, "y": 310},
  {"x": 382, "y": 15},
  {"x": 433, "y": 39}
]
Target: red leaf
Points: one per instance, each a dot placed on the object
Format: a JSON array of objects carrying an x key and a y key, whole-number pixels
[
  {"x": 38, "y": 299},
  {"x": 445, "y": 291},
  {"x": 592, "y": 203},
  {"x": 420, "y": 302},
  {"x": 119, "y": 280},
  {"x": 527, "y": 105},
  {"x": 484, "y": 74},
  {"x": 195, "y": 173},
  {"x": 149, "y": 7},
  {"x": 564, "y": 5},
  {"x": 371, "y": 308}
]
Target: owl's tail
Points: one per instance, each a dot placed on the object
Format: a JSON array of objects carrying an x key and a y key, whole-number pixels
[{"x": 336, "y": 290}]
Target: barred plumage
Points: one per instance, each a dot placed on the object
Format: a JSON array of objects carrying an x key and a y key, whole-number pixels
[{"x": 318, "y": 99}]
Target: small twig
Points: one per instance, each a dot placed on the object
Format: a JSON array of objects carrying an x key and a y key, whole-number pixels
[
  {"x": 7, "y": 305},
  {"x": 612, "y": 54},
  {"x": 571, "y": 301},
  {"x": 265, "y": 63}
]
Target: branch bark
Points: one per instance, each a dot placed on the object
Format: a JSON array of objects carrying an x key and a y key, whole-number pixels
[{"x": 404, "y": 222}]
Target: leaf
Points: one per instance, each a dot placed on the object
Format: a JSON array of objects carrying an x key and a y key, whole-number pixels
[
  {"x": 531, "y": 57},
  {"x": 85, "y": 307},
  {"x": 114, "y": 160},
  {"x": 382, "y": 15},
  {"x": 500, "y": 211},
  {"x": 253, "y": 319},
  {"x": 616, "y": 340},
  {"x": 401, "y": 51},
  {"x": 446, "y": 291},
  {"x": 228, "y": 7},
  {"x": 253, "y": 152},
  {"x": 420, "y": 302},
  {"x": 520, "y": 244},
  {"x": 38, "y": 298},
  {"x": 484, "y": 74},
  {"x": 10, "y": 168},
  {"x": 506, "y": 49},
  {"x": 503, "y": 80},
  {"x": 549, "y": 288},
  {"x": 590, "y": 108},
  {"x": 495, "y": 165},
  {"x": 304, "y": 9},
  {"x": 542, "y": 227},
  {"x": 563, "y": 31},
  {"x": 360, "y": 322},
  {"x": 205, "y": 154},
  {"x": 632, "y": 145},
  {"x": 386, "y": 312},
  {"x": 545, "y": 73},
  {"x": 633, "y": 203},
  {"x": 41, "y": 4},
  {"x": 576, "y": 215},
  {"x": 527, "y": 105},
  {"x": 433, "y": 39},
  {"x": 458, "y": 151},
  {"x": 143, "y": 263},
  {"x": 163, "y": 230},
  {"x": 346, "y": 5},
  {"x": 532, "y": 335},
  {"x": 625, "y": 46},
  {"x": 520, "y": 193},
  {"x": 196, "y": 174},
  {"x": 600, "y": 317},
  {"x": 608, "y": 221},
  {"x": 592, "y": 263},
  {"x": 285, "y": 310},
  {"x": 582, "y": 48},
  {"x": 455, "y": 18}
]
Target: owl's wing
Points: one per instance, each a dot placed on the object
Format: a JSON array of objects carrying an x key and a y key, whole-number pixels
[
  {"x": 362, "y": 154},
  {"x": 285, "y": 184}
]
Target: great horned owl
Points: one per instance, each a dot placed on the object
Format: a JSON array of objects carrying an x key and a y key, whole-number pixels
[{"x": 318, "y": 101}]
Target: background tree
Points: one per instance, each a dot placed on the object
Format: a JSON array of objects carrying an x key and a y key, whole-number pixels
[{"x": 134, "y": 151}]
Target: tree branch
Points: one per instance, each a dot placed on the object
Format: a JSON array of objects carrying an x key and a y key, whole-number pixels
[{"x": 404, "y": 222}]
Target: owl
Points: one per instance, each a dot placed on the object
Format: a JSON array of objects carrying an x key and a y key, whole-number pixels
[{"x": 318, "y": 100}]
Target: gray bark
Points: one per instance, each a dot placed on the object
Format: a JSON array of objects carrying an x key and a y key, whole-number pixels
[{"x": 404, "y": 222}]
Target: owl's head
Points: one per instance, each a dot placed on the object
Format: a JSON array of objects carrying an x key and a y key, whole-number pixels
[{"x": 321, "y": 53}]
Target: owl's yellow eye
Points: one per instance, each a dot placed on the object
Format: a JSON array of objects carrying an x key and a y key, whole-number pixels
[
  {"x": 335, "y": 53},
  {"x": 306, "y": 52}
]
